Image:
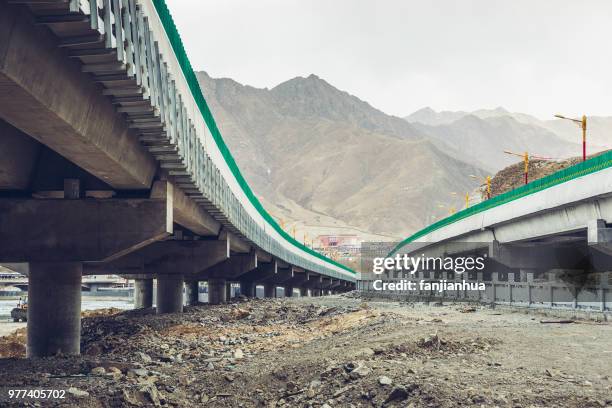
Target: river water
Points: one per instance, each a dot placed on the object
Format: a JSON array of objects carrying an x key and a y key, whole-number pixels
[{"x": 86, "y": 304}]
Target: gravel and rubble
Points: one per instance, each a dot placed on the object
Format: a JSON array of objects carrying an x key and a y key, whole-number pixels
[
  {"x": 335, "y": 351},
  {"x": 513, "y": 176}
]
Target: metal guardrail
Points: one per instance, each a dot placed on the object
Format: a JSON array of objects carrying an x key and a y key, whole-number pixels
[
  {"x": 121, "y": 50},
  {"x": 534, "y": 294}
]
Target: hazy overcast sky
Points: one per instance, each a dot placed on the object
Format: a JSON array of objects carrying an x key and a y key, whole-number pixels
[{"x": 532, "y": 56}]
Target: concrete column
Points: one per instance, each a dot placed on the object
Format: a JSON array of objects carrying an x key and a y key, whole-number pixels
[
  {"x": 494, "y": 282},
  {"x": 601, "y": 289},
  {"x": 143, "y": 293},
  {"x": 192, "y": 292},
  {"x": 269, "y": 290},
  {"x": 169, "y": 294},
  {"x": 303, "y": 292},
  {"x": 217, "y": 291},
  {"x": 247, "y": 289},
  {"x": 288, "y": 291},
  {"x": 228, "y": 291},
  {"x": 54, "y": 309}
]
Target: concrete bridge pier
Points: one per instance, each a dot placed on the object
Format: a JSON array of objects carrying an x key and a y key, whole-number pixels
[
  {"x": 143, "y": 293},
  {"x": 217, "y": 291},
  {"x": 169, "y": 294},
  {"x": 269, "y": 290},
  {"x": 192, "y": 292},
  {"x": 54, "y": 309},
  {"x": 303, "y": 292},
  {"x": 288, "y": 291},
  {"x": 247, "y": 289},
  {"x": 228, "y": 291}
]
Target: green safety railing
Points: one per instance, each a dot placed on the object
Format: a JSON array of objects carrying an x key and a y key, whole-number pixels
[
  {"x": 179, "y": 51},
  {"x": 584, "y": 168}
]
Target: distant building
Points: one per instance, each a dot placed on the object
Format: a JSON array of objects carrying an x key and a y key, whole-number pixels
[{"x": 338, "y": 246}]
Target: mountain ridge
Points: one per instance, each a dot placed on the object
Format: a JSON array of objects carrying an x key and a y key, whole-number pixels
[{"x": 306, "y": 146}]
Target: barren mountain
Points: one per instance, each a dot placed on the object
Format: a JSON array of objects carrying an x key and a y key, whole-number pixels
[
  {"x": 324, "y": 157},
  {"x": 484, "y": 140},
  {"x": 482, "y": 135}
]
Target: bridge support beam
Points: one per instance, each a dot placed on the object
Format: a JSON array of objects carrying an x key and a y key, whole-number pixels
[
  {"x": 81, "y": 125},
  {"x": 143, "y": 293},
  {"x": 192, "y": 292},
  {"x": 232, "y": 267},
  {"x": 247, "y": 288},
  {"x": 80, "y": 230},
  {"x": 169, "y": 294},
  {"x": 217, "y": 291},
  {"x": 54, "y": 309}
]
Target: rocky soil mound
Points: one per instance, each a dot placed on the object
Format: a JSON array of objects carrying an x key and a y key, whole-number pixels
[
  {"x": 513, "y": 176},
  {"x": 312, "y": 352}
]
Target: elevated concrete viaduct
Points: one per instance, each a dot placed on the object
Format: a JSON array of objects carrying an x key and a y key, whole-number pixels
[
  {"x": 547, "y": 244},
  {"x": 111, "y": 162}
]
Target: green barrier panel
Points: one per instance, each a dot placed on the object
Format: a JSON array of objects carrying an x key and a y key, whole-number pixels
[
  {"x": 194, "y": 86},
  {"x": 584, "y": 168}
]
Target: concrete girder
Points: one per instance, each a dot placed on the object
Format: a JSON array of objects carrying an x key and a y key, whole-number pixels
[
  {"x": 190, "y": 215},
  {"x": 336, "y": 283},
  {"x": 326, "y": 283},
  {"x": 263, "y": 256},
  {"x": 281, "y": 277},
  {"x": 599, "y": 236},
  {"x": 300, "y": 278},
  {"x": 314, "y": 281},
  {"x": 237, "y": 245},
  {"x": 20, "y": 267},
  {"x": 263, "y": 272},
  {"x": 61, "y": 107},
  {"x": 232, "y": 268},
  {"x": 167, "y": 258},
  {"x": 46, "y": 95},
  {"x": 79, "y": 230},
  {"x": 548, "y": 256}
]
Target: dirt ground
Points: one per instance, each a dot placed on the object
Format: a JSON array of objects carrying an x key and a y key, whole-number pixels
[{"x": 325, "y": 352}]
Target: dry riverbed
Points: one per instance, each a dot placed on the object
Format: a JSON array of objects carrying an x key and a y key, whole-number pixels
[{"x": 322, "y": 352}]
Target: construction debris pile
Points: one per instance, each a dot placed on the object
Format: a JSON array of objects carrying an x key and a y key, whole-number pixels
[
  {"x": 318, "y": 352},
  {"x": 514, "y": 176},
  {"x": 14, "y": 345}
]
